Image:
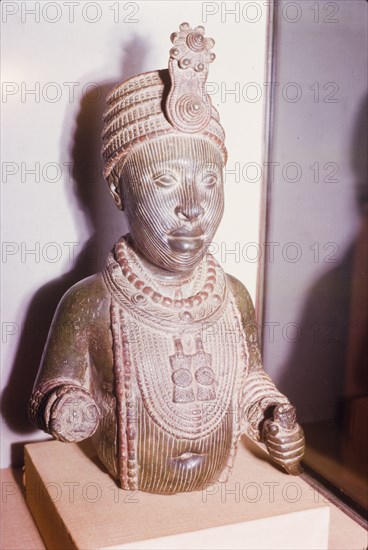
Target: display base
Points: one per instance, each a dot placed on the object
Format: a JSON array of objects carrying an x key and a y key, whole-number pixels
[{"x": 77, "y": 505}]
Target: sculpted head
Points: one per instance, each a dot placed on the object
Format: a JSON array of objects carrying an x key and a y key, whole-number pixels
[
  {"x": 171, "y": 190},
  {"x": 163, "y": 147}
]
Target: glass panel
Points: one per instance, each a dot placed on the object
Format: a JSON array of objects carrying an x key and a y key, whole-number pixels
[{"x": 315, "y": 294}]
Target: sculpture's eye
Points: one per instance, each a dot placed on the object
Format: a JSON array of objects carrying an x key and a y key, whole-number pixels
[
  {"x": 209, "y": 179},
  {"x": 165, "y": 179}
]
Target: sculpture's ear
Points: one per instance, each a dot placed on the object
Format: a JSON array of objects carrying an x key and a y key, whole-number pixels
[{"x": 115, "y": 192}]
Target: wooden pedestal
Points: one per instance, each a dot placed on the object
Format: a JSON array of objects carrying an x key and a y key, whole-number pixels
[{"x": 76, "y": 504}]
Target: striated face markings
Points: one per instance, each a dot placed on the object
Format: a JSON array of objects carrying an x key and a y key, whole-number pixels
[{"x": 172, "y": 191}]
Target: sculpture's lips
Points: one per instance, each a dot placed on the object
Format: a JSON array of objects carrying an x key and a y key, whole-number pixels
[
  {"x": 185, "y": 232},
  {"x": 186, "y": 240}
]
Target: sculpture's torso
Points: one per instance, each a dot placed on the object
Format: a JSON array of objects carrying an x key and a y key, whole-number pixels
[
  {"x": 177, "y": 374},
  {"x": 167, "y": 464},
  {"x": 168, "y": 393},
  {"x": 163, "y": 463}
]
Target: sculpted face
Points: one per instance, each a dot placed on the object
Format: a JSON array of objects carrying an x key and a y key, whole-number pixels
[{"x": 172, "y": 194}]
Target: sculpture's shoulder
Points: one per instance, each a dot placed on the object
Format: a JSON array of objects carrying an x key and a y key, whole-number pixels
[
  {"x": 242, "y": 296},
  {"x": 85, "y": 302},
  {"x": 245, "y": 306}
]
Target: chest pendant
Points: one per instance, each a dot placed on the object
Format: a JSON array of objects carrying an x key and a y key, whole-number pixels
[{"x": 192, "y": 375}]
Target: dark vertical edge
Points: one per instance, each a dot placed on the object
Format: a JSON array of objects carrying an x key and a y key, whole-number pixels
[{"x": 268, "y": 119}]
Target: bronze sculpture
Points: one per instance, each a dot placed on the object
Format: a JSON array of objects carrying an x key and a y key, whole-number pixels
[{"x": 157, "y": 357}]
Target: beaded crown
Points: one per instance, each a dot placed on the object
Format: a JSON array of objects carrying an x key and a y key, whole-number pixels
[{"x": 171, "y": 101}]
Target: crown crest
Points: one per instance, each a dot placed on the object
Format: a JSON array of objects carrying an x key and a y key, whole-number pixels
[{"x": 188, "y": 106}]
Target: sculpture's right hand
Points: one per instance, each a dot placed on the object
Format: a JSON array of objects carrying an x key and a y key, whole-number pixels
[
  {"x": 284, "y": 438},
  {"x": 72, "y": 414}
]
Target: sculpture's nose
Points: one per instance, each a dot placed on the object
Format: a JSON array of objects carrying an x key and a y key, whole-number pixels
[
  {"x": 190, "y": 208},
  {"x": 189, "y": 212}
]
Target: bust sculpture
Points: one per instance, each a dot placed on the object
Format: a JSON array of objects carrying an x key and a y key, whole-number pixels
[{"x": 157, "y": 357}]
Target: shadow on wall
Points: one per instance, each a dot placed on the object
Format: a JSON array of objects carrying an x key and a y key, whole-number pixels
[
  {"x": 105, "y": 224},
  {"x": 315, "y": 377}
]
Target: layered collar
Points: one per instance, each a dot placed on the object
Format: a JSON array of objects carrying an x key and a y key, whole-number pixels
[{"x": 154, "y": 299}]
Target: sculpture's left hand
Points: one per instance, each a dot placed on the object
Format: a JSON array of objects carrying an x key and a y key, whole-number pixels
[{"x": 284, "y": 438}]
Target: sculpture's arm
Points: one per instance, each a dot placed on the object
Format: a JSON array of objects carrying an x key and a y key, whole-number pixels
[
  {"x": 267, "y": 415},
  {"x": 62, "y": 402}
]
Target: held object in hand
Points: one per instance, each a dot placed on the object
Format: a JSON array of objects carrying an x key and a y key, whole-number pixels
[{"x": 284, "y": 438}]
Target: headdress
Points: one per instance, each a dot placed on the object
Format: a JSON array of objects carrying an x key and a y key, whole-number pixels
[{"x": 154, "y": 104}]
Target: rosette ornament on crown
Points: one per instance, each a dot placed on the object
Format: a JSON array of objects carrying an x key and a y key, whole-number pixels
[{"x": 188, "y": 106}]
